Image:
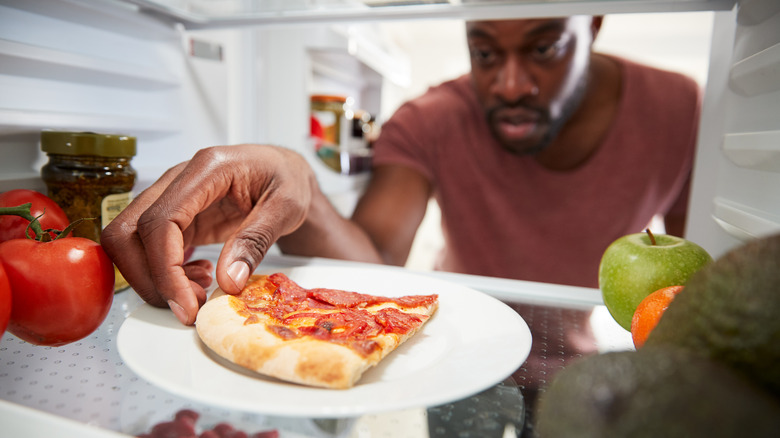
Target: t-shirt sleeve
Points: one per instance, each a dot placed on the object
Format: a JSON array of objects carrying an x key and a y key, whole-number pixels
[
  {"x": 407, "y": 139},
  {"x": 692, "y": 93}
]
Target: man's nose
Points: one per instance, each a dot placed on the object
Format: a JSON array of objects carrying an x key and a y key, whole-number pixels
[{"x": 514, "y": 82}]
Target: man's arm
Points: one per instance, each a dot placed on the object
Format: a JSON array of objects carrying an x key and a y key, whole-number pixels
[
  {"x": 250, "y": 196},
  {"x": 675, "y": 224},
  {"x": 244, "y": 196},
  {"x": 675, "y": 218},
  {"x": 392, "y": 209},
  {"x": 382, "y": 228}
]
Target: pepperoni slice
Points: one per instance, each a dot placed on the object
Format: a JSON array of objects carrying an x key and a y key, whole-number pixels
[
  {"x": 412, "y": 301},
  {"x": 396, "y": 321},
  {"x": 340, "y": 298},
  {"x": 330, "y": 314},
  {"x": 287, "y": 291}
]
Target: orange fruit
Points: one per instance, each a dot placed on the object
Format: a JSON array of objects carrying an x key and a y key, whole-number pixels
[{"x": 649, "y": 312}]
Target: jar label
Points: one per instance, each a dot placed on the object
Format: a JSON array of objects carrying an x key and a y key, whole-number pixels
[
  {"x": 326, "y": 127},
  {"x": 112, "y": 205}
]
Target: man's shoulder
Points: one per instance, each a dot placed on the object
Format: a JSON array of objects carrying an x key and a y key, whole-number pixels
[
  {"x": 669, "y": 96},
  {"x": 447, "y": 94},
  {"x": 450, "y": 103},
  {"x": 658, "y": 107},
  {"x": 658, "y": 81}
]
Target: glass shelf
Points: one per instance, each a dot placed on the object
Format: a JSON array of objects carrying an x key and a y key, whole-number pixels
[{"x": 226, "y": 13}]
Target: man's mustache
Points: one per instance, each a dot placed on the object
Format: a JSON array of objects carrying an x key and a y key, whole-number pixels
[{"x": 519, "y": 109}]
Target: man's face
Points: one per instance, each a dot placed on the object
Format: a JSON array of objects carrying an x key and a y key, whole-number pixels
[{"x": 530, "y": 76}]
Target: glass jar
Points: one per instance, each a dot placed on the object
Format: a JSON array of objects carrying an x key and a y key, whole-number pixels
[
  {"x": 330, "y": 129},
  {"x": 328, "y": 111},
  {"x": 89, "y": 175}
]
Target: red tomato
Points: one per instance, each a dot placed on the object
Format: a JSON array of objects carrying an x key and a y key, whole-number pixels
[
  {"x": 5, "y": 300},
  {"x": 62, "y": 290},
  {"x": 12, "y": 227}
]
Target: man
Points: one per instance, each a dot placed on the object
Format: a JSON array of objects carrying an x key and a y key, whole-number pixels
[{"x": 539, "y": 158}]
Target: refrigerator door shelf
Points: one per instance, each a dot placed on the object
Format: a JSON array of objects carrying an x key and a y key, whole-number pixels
[
  {"x": 754, "y": 150},
  {"x": 742, "y": 221}
]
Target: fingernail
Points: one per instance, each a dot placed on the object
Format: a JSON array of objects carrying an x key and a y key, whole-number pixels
[
  {"x": 178, "y": 311},
  {"x": 239, "y": 273}
]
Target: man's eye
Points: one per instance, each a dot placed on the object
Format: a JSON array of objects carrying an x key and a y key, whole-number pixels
[
  {"x": 483, "y": 56},
  {"x": 546, "y": 52}
]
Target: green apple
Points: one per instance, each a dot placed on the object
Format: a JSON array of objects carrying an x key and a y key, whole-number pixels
[{"x": 636, "y": 265}]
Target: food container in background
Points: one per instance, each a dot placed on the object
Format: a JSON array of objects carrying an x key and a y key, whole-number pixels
[
  {"x": 357, "y": 153},
  {"x": 90, "y": 176},
  {"x": 341, "y": 134},
  {"x": 328, "y": 113},
  {"x": 329, "y": 127}
]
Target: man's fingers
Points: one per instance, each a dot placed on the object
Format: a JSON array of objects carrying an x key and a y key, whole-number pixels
[
  {"x": 199, "y": 271},
  {"x": 242, "y": 253},
  {"x": 203, "y": 200},
  {"x": 125, "y": 247},
  {"x": 127, "y": 252},
  {"x": 199, "y": 184},
  {"x": 161, "y": 236}
]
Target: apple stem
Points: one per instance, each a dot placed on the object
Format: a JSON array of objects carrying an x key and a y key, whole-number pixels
[{"x": 650, "y": 233}]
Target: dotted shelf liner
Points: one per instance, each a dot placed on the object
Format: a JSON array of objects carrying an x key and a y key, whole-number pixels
[{"x": 87, "y": 381}]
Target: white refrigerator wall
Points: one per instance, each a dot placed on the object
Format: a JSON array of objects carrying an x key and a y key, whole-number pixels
[
  {"x": 736, "y": 191},
  {"x": 100, "y": 67}
]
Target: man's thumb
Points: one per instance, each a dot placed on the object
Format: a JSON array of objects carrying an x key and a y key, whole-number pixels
[
  {"x": 238, "y": 259},
  {"x": 238, "y": 272}
]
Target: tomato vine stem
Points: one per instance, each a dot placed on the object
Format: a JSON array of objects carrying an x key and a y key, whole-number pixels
[
  {"x": 23, "y": 211},
  {"x": 41, "y": 235}
]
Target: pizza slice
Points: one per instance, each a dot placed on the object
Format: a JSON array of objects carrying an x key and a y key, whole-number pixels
[{"x": 319, "y": 337}]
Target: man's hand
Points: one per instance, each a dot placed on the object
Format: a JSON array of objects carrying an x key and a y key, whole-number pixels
[{"x": 246, "y": 196}]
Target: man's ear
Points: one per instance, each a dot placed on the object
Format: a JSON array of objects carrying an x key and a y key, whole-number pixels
[{"x": 595, "y": 25}]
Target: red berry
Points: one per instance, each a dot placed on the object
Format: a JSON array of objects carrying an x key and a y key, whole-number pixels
[
  {"x": 223, "y": 430},
  {"x": 187, "y": 415}
]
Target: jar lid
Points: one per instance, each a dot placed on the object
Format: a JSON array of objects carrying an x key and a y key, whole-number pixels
[
  {"x": 87, "y": 143},
  {"x": 328, "y": 98}
]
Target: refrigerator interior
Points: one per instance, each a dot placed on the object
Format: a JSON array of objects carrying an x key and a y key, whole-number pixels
[{"x": 180, "y": 79}]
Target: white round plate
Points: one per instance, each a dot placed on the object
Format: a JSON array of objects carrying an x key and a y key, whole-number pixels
[{"x": 471, "y": 343}]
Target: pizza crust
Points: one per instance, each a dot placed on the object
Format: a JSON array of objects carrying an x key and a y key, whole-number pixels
[
  {"x": 252, "y": 346},
  {"x": 304, "y": 360}
]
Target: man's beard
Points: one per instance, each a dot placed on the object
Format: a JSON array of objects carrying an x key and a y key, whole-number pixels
[{"x": 543, "y": 118}]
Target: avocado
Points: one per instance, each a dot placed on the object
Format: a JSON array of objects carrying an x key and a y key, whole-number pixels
[
  {"x": 730, "y": 312},
  {"x": 654, "y": 392}
]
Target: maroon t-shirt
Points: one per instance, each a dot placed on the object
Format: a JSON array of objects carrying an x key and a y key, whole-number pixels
[{"x": 504, "y": 215}]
